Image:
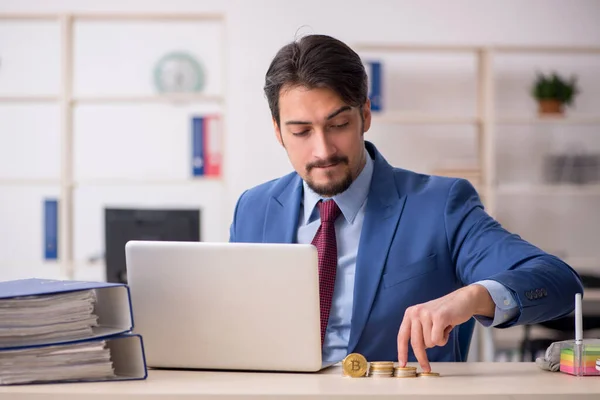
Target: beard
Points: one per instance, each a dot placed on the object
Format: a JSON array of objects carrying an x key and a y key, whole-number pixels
[{"x": 333, "y": 187}]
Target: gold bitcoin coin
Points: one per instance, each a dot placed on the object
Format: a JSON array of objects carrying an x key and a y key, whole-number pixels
[{"x": 354, "y": 365}]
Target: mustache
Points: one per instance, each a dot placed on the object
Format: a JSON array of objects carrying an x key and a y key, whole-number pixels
[{"x": 323, "y": 163}]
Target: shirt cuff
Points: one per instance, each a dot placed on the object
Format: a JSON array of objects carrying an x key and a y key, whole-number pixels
[{"x": 506, "y": 305}]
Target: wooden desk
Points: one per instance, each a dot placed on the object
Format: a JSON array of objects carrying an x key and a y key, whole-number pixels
[{"x": 459, "y": 380}]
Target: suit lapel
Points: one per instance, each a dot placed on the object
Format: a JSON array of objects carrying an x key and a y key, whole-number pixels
[
  {"x": 283, "y": 210},
  {"x": 383, "y": 210}
]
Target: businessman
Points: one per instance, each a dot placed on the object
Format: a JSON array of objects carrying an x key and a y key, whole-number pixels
[{"x": 404, "y": 258}]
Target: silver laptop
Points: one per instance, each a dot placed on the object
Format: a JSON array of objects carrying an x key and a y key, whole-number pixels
[{"x": 234, "y": 306}]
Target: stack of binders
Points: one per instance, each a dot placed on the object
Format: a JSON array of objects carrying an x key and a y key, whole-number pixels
[{"x": 67, "y": 331}]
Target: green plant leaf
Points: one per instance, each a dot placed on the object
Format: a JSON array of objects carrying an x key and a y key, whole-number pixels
[{"x": 553, "y": 86}]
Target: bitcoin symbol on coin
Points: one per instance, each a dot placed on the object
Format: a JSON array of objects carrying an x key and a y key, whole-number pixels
[{"x": 354, "y": 365}]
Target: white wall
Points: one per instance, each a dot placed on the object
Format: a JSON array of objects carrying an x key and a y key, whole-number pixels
[{"x": 257, "y": 29}]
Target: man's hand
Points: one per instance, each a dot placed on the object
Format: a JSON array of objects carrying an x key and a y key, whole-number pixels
[{"x": 429, "y": 324}]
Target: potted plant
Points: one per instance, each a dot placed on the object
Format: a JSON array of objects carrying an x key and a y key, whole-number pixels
[{"x": 554, "y": 92}]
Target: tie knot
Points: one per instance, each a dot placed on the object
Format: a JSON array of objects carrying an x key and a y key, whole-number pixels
[{"x": 328, "y": 210}]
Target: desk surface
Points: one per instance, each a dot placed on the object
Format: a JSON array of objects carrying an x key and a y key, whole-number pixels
[{"x": 499, "y": 380}]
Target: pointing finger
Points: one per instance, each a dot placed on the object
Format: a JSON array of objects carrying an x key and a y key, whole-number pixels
[
  {"x": 403, "y": 338},
  {"x": 418, "y": 345}
]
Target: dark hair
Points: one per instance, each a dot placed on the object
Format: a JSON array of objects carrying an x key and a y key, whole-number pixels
[{"x": 317, "y": 61}]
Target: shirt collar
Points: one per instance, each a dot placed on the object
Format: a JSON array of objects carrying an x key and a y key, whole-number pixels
[{"x": 349, "y": 201}]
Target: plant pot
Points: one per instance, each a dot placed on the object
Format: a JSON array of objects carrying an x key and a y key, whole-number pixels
[{"x": 550, "y": 107}]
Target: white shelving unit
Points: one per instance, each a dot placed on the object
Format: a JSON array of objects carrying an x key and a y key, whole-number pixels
[
  {"x": 68, "y": 102},
  {"x": 487, "y": 123},
  {"x": 486, "y": 120}
]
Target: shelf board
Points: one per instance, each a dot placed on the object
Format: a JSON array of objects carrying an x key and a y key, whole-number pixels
[
  {"x": 29, "y": 16},
  {"x": 401, "y": 47},
  {"x": 591, "y": 295},
  {"x": 28, "y": 99},
  {"x": 550, "y": 189},
  {"x": 451, "y": 48},
  {"x": 117, "y": 16},
  {"x": 547, "y": 49},
  {"x": 156, "y": 98},
  {"x": 28, "y": 182},
  {"x": 149, "y": 16},
  {"x": 396, "y": 117},
  {"x": 400, "y": 117},
  {"x": 145, "y": 182},
  {"x": 550, "y": 120}
]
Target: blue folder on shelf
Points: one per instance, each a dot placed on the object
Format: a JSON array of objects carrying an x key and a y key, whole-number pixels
[{"x": 111, "y": 305}]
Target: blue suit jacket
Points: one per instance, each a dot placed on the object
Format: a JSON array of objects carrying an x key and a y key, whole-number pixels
[{"x": 422, "y": 238}]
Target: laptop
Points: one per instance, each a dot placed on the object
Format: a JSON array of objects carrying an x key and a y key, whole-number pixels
[{"x": 226, "y": 306}]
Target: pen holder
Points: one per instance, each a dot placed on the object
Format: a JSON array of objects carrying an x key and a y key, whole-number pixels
[{"x": 580, "y": 360}]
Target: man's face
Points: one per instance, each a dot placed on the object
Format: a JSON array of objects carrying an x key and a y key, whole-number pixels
[{"x": 323, "y": 137}]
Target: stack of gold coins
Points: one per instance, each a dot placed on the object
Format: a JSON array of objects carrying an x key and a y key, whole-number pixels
[
  {"x": 381, "y": 369},
  {"x": 354, "y": 365},
  {"x": 405, "y": 372}
]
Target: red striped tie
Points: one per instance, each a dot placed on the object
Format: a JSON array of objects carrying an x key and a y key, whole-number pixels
[{"x": 326, "y": 245}]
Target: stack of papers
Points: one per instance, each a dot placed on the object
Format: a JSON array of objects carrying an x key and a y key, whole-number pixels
[
  {"x": 43, "y": 319},
  {"x": 39, "y": 339},
  {"x": 76, "y": 361}
]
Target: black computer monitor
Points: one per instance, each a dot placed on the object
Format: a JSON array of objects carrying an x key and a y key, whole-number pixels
[{"x": 122, "y": 225}]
